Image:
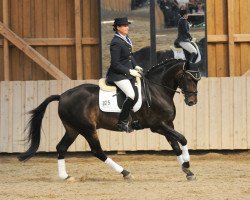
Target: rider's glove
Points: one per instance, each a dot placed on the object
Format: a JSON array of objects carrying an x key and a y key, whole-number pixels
[
  {"x": 134, "y": 73},
  {"x": 139, "y": 69}
]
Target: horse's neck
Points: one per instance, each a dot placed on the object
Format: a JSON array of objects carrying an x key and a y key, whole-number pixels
[
  {"x": 163, "y": 89},
  {"x": 165, "y": 78}
]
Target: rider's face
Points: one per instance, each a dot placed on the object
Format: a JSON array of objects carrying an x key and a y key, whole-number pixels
[{"x": 123, "y": 29}]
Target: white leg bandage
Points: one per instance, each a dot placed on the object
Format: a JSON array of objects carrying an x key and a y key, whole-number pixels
[
  {"x": 114, "y": 165},
  {"x": 62, "y": 169},
  {"x": 185, "y": 154},
  {"x": 180, "y": 160}
]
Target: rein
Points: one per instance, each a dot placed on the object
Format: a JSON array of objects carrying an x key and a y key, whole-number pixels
[
  {"x": 169, "y": 88},
  {"x": 146, "y": 81}
]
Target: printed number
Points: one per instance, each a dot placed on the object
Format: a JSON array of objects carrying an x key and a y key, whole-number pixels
[{"x": 106, "y": 103}]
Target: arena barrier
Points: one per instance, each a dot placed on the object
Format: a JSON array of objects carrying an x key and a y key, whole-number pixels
[{"x": 220, "y": 120}]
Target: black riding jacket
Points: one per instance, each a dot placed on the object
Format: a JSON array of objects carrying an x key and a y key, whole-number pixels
[
  {"x": 183, "y": 31},
  {"x": 121, "y": 60}
]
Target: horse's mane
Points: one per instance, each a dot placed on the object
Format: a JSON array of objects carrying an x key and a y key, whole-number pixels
[{"x": 167, "y": 64}]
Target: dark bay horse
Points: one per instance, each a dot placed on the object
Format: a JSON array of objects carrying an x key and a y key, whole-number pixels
[
  {"x": 142, "y": 56},
  {"x": 80, "y": 114}
]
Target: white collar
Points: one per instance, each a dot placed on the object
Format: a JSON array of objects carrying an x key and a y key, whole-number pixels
[{"x": 125, "y": 38}]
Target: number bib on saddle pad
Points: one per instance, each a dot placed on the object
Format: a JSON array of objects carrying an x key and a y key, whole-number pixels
[{"x": 108, "y": 97}]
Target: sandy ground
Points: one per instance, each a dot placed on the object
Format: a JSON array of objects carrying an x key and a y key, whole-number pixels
[{"x": 157, "y": 176}]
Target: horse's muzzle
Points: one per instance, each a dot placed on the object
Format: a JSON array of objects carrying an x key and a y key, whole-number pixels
[{"x": 190, "y": 101}]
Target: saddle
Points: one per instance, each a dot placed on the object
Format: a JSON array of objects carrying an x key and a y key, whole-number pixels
[{"x": 111, "y": 98}]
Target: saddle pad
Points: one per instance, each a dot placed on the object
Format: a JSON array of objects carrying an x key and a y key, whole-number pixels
[
  {"x": 178, "y": 53},
  {"x": 108, "y": 100}
]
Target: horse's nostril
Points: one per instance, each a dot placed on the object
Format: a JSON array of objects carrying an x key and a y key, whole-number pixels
[{"x": 190, "y": 103}]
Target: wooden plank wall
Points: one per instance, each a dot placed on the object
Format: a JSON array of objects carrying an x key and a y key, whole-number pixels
[
  {"x": 220, "y": 120},
  {"x": 49, "y": 26},
  {"x": 116, "y": 5},
  {"x": 228, "y": 37},
  {"x": 1, "y": 47}
]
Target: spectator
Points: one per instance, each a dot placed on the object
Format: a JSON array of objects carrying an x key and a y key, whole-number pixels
[
  {"x": 192, "y": 6},
  {"x": 170, "y": 10},
  {"x": 183, "y": 4},
  {"x": 200, "y": 8},
  {"x": 175, "y": 11},
  {"x": 165, "y": 6}
]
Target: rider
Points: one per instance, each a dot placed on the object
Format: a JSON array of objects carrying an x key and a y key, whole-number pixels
[
  {"x": 123, "y": 69},
  {"x": 184, "y": 38}
]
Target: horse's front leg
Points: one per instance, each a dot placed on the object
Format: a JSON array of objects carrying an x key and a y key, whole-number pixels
[{"x": 174, "y": 138}]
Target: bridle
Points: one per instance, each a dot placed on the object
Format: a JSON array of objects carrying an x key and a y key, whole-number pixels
[
  {"x": 181, "y": 76},
  {"x": 183, "y": 87}
]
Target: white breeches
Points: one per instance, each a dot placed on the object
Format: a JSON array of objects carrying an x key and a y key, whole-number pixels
[
  {"x": 189, "y": 47},
  {"x": 126, "y": 87}
]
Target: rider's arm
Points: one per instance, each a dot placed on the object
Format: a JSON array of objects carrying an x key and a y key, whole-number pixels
[{"x": 133, "y": 61}]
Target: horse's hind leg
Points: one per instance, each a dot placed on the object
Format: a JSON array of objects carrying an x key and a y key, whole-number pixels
[
  {"x": 62, "y": 147},
  {"x": 97, "y": 151}
]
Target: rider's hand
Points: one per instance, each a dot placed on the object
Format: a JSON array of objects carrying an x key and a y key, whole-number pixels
[
  {"x": 134, "y": 73},
  {"x": 139, "y": 69}
]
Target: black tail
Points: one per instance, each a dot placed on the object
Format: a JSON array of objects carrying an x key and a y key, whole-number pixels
[{"x": 34, "y": 125}]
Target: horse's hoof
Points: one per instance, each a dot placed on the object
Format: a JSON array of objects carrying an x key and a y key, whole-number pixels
[
  {"x": 129, "y": 177},
  {"x": 70, "y": 179},
  {"x": 191, "y": 177}
]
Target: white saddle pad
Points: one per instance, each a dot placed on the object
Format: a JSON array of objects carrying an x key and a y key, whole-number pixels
[
  {"x": 108, "y": 100},
  {"x": 178, "y": 53}
]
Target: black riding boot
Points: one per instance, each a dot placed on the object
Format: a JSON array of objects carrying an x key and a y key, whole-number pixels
[
  {"x": 123, "y": 123},
  {"x": 192, "y": 65},
  {"x": 192, "y": 58}
]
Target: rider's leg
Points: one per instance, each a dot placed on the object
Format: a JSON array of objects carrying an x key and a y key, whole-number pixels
[
  {"x": 191, "y": 49},
  {"x": 126, "y": 87}
]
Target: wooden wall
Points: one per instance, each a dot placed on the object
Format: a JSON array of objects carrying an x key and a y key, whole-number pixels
[
  {"x": 55, "y": 28},
  {"x": 70, "y": 39},
  {"x": 228, "y": 37},
  {"x": 220, "y": 120}
]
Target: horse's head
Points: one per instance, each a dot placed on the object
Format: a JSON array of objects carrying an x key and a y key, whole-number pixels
[
  {"x": 187, "y": 81},
  {"x": 173, "y": 73}
]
